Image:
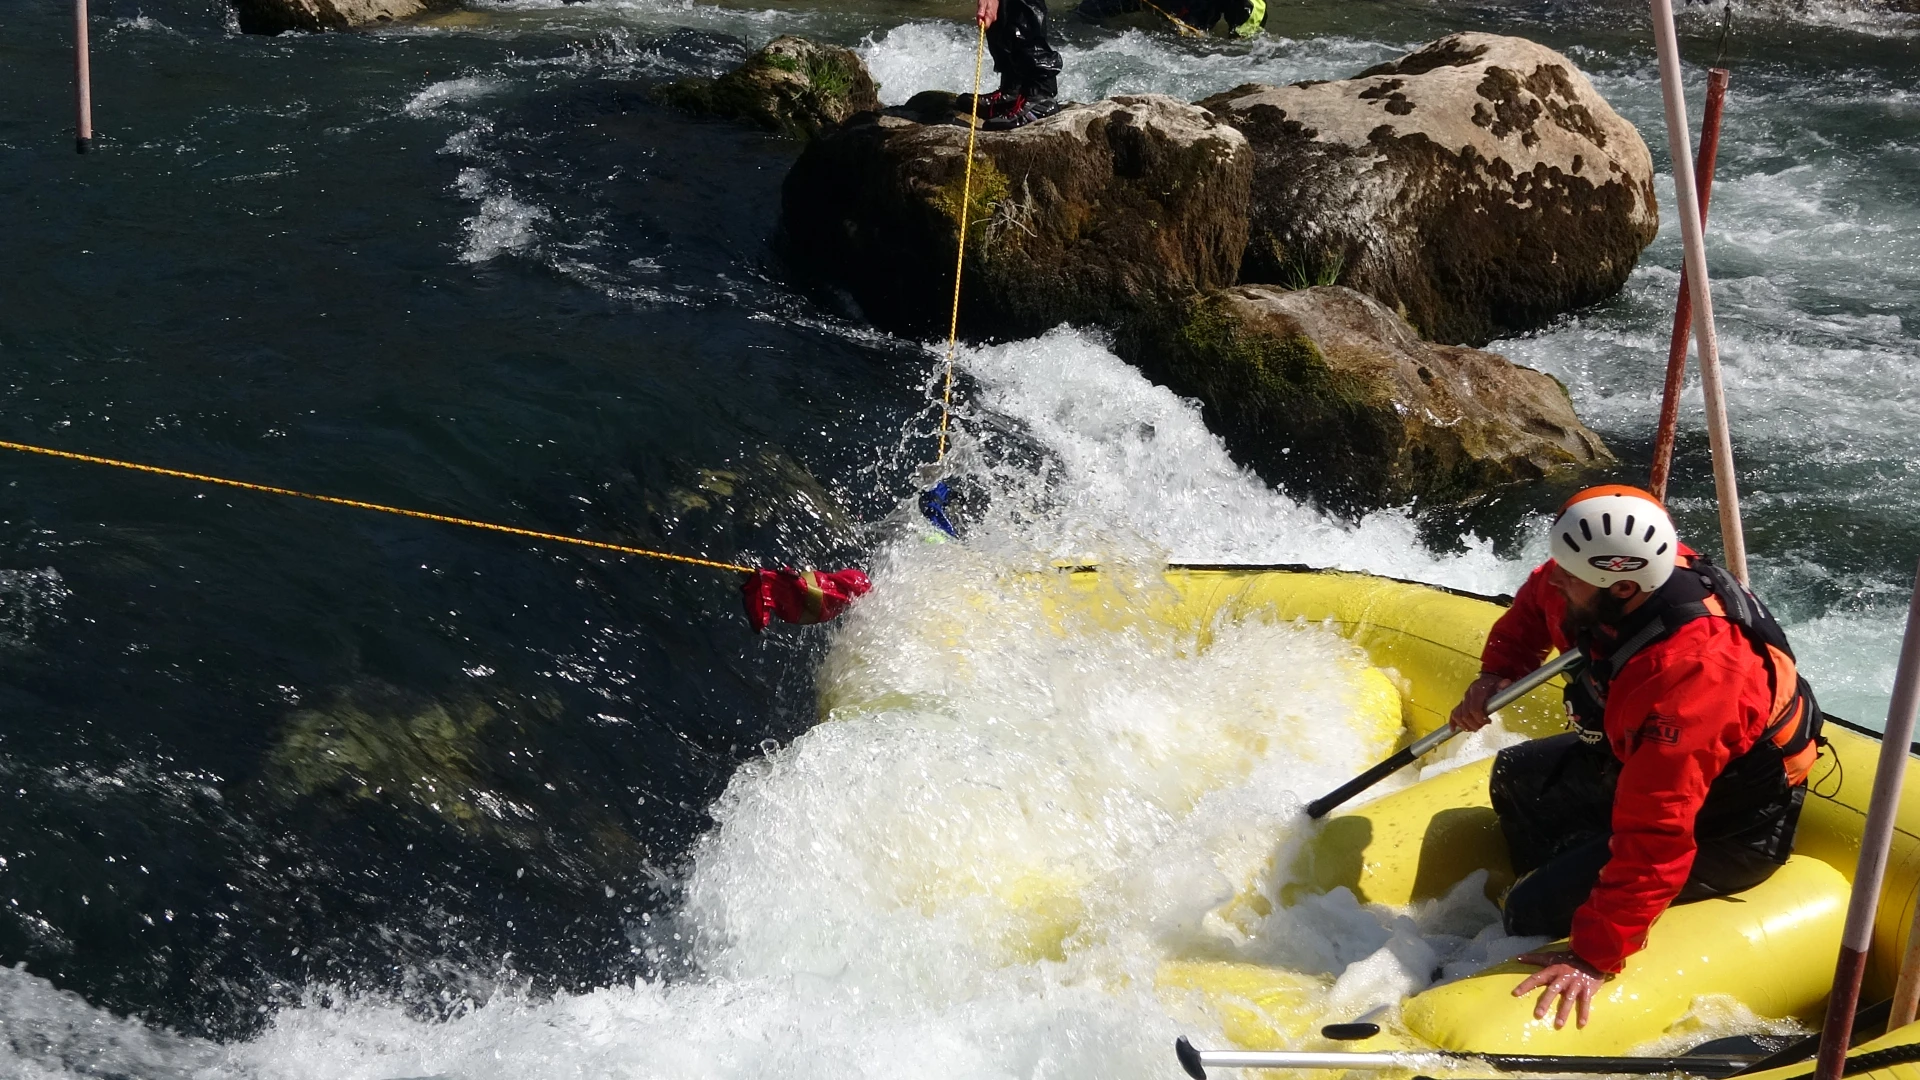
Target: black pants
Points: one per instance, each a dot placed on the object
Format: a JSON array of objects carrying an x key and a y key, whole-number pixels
[
  {"x": 1555, "y": 801},
  {"x": 1018, "y": 41}
]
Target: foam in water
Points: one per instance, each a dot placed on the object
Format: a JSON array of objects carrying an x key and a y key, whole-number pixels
[
  {"x": 503, "y": 223},
  {"x": 446, "y": 91},
  {"x": 918, "y": 56}
]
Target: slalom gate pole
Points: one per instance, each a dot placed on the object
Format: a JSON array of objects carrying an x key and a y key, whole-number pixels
[
  {"x": 1410, "y": 753},
  {"x": 82, "y": 80},
  {"x": 1196, "y": 1062},
  {"x": 1683, "y": 307},
  {"x": 1875, "y": 838},
  {"x": 1906, "y": 989},
  {"x": 1726, "y": 487}
]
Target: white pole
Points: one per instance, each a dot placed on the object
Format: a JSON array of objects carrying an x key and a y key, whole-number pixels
[
  {"x": 1875, "y": 838},
  {"x": 1693, "y": 239},
  {"x": 82, "y": 81}
]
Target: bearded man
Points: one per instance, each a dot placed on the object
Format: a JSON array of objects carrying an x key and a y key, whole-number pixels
[{"x": 1693, "y": 734}]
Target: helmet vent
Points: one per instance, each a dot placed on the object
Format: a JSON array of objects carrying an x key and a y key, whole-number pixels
[
  {"x": 1568, "y": 537},
  {"x": 1662, "y": 549},
  {"x": 1628, "y": 527},
  {"x": 1649, "y": 538},
  {"x": 1585, "y": 530},
  {"x": 1606, "y": 524}
]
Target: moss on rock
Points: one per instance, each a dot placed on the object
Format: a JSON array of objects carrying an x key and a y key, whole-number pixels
[
  {"x": 793, "y": 86},
  {"x": 1326, "y": 391}
]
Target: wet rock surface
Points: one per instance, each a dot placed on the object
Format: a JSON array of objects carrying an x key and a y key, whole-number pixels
[
  {"x": 1327, "y": 392},
  {"x": 278, "y": 16},
  {"x": 1095, "y": 215},
  {"x": 1478, "y": 186},
  {"x": 794, "y": 86}
]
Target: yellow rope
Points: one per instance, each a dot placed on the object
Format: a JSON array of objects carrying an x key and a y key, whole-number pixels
[
  {"x": 960, "y": 257},
  {"x": 359, "y": 505},
  {"x": 1185, "y": 28}
]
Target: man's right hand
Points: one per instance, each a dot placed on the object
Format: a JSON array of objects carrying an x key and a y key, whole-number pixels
[
  {"x": 1471, "y": 713},
  {"x": 988, "y": 11}
]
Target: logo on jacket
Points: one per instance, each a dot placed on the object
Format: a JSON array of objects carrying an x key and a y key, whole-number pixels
[
  {"x": 1617, "y": 564},
  {"x": 1657, "y": 729}
]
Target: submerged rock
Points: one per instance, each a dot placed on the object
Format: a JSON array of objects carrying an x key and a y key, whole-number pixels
[
  {"x": 794, "y": 86},
  {"x": 1092, "y": 215},
  {"x": 1478, "y": 185},
  {"x": 278, "y": 16},
  {"x": 1326, "y": 391}
]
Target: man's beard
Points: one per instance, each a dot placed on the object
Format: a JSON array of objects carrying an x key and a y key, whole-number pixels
[{"x": 1604, "y": 613}]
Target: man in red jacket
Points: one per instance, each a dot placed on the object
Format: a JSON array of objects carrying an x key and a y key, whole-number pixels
[{"x": 1693, "y": 735}]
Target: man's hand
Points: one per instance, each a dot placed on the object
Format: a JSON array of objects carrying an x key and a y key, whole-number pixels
[
  {"x": 1471, "y": 713},
  {"x": 988, "y": 11},
  {"x": 1565, "y": 976}
]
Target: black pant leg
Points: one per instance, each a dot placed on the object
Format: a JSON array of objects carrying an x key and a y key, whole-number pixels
[
  {"x": 1018, "y": 41},
  {"x": 1543, "y": 902},
  {"x": 1552, "y": 794}
]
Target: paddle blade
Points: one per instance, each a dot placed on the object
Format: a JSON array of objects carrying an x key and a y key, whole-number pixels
[{"x": 801, "y": 596}]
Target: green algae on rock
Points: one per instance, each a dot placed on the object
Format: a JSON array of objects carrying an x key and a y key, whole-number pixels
[
  {"x": 793, "y": 86},
  {"x": 1327, "y": 392},
  {"x": 1478, "y": 186},
  {"x": 1090, "y": 216}
]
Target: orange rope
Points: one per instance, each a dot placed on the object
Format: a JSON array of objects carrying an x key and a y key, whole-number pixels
[
  {"x": 960, "y": 256},
  {"x": 360, "y": 505}
]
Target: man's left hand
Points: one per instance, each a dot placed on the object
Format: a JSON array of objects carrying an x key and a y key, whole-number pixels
[
  {"x": 1566, "y": 976},
  {"x": 986, "y": 11}
]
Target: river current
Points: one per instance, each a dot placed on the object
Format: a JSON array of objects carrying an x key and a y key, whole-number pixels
[{"x": 291, "y": 790}]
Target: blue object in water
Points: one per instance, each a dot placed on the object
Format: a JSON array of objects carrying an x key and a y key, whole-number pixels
[{"x": 933, "y": 504}]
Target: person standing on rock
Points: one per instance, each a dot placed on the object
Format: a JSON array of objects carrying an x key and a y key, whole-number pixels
[
  {"x": 1693, "y": 734},
  {"x": 1029, "y": 67},
  {"x": 1245, "y": 18}
]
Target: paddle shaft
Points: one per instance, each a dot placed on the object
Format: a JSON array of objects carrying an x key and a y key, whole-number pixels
[
  {"x": 1196, "y": 1062},
  {"x": 1406, "y": 755}
]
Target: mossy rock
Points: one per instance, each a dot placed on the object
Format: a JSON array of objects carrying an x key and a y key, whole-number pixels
[
  {"x": 793, "y": 86},
  {"x": 1327, "y": 392}
]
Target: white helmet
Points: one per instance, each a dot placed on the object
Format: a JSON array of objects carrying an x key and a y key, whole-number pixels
[{"x": 1615, "y": 533}]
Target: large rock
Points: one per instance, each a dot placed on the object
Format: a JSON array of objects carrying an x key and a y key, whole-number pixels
[
  {"x": 1327, "y": 392},
  {"x": 1478, "y": 186},
  {"x": 794, "y": 86},
  {"x": 1092, "y": 215},
  {"x": 277, "y": 16}
]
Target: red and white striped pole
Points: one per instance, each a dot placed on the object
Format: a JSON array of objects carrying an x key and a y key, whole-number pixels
[
  {"x": 1875, "y": 839},
  {"x": 83, "y": 80},
  {"x": 1683, "y": 308}
]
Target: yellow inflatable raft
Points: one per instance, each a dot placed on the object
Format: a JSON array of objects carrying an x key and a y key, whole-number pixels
[{"x": 1772, "y": 949}]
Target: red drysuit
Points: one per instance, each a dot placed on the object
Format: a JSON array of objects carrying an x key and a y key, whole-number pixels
[{"x": 1679, "y": 711}]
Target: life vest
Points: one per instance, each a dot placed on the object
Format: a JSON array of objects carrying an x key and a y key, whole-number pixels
[{"x": 1699, "y": 591}]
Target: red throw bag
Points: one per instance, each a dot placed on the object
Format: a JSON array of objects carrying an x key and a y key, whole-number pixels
[{"x": 801, "y": 596}]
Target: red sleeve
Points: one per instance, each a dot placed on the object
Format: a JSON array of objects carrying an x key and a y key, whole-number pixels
[
  {"x": 1521, "y": 638},
  {"x": 1675, "y": 717}
]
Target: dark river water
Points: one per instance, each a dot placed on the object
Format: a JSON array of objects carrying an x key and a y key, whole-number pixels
[{"x": 290, "y": 790}]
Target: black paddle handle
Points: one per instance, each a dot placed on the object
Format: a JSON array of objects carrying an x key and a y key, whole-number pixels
[{"x": 1401, "y": 758}]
